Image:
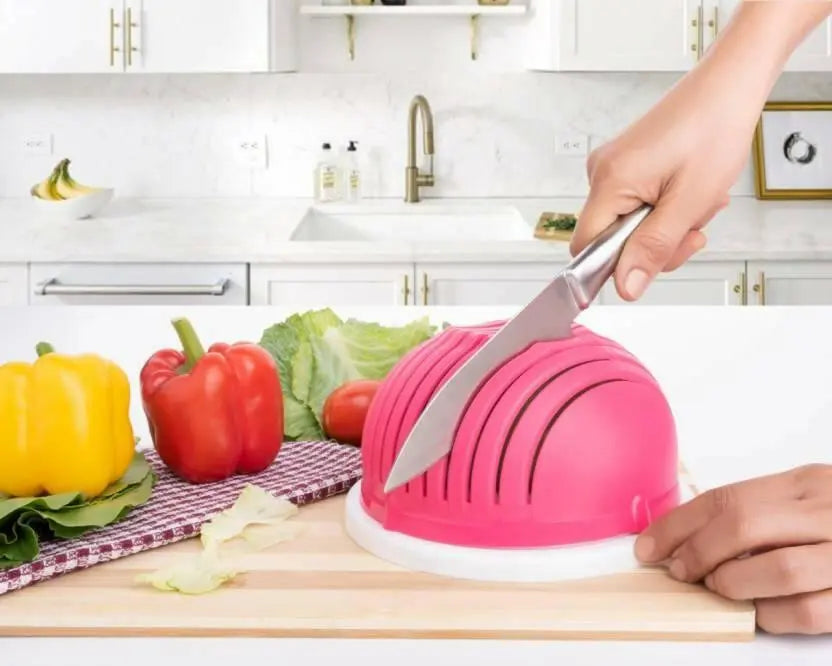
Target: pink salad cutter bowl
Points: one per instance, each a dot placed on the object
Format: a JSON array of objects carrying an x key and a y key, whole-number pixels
[{"x": 569, "y": 443}]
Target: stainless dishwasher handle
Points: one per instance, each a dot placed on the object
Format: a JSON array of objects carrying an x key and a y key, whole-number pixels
[{"x": 52, "y": 287}]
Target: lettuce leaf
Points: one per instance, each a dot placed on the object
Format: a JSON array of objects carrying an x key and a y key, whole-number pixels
[
  {"x": 299, "y": 423},
  {"x": 198, "y": 574},
  {"x": 316, "y": 352},
  {"x": 208, "y": 570},
  {"x": 372, "y": 349},
  {"x": 254, "y": 506},
  {"x": 25, "y": 521}
]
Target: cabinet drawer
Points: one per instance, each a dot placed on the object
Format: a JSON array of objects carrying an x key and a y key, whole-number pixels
[
  {"x": 480, "y": 284},
  {"x": 138, "y": 284},
  {"x": 695, "y": 283},
  {"x": 333, "y": 285},
  {"x": 13, "y": 284}
]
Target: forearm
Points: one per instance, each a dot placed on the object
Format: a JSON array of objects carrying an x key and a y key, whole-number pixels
[
  {"x": 686, "y": 152},
  {"x": 762, "y": 35},
  {"x": 739, "y": 70}
]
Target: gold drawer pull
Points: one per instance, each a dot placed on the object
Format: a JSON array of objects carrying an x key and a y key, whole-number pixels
[
  {"x": 742, "y": 289},
  {"x": 406, "y": 289},
  {"x": 129, "y": 25},
  {"x": 699, "y": 38},
  {"x": 760, "y": 289},
  {"x": 696, "y": 45},
  {"x": 425, "y": 289},
  {"x": 113, "y": 48}
]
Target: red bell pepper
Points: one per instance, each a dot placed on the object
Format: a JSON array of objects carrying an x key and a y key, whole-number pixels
[{"x": 213, "y": 414}]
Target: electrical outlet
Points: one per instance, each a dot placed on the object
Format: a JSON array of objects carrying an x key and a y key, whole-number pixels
[
  {"x": 37, "y": 144},
  {"x": 251, "y": 152},
  {"x": 572, "y": 145}
]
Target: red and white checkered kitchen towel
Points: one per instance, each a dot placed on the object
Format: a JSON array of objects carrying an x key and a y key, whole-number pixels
[{"x": 304, "y": 472}]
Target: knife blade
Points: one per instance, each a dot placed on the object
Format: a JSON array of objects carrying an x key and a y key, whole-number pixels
[{"x": 548, "y": 316}]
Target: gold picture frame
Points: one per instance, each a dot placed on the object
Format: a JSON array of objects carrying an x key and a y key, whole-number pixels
[{"x": 763, "y": 188}]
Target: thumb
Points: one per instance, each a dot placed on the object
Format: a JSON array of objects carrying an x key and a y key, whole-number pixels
[{"x": 651, "y": 247}]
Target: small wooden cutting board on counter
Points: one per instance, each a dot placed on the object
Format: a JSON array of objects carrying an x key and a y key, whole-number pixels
[{"x": 320, "y": 584}]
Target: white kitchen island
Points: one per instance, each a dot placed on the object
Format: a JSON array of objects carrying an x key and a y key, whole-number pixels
[{"x": 749, "y": 387}]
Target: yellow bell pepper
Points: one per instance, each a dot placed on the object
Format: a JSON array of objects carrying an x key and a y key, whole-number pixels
[{"x": 64, "y": 425}]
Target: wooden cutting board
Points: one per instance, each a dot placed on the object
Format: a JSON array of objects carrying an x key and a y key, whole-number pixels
[{"x": 322, "y": 585}]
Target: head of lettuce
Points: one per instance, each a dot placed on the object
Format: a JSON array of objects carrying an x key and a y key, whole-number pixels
[{"x": 317, "y": 351}]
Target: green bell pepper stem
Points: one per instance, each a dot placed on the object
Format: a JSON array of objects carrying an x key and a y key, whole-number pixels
[
  {"x": 43, "y": 348},
  {"x": 191, "y": 346}
]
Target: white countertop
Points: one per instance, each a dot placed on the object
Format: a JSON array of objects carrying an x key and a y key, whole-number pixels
[
  {"x": 748, "y": 386},
  {"x": 259, "y": 230}
]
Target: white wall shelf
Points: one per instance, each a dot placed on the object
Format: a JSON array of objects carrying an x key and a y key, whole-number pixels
[{"x": 472, "y": 10}]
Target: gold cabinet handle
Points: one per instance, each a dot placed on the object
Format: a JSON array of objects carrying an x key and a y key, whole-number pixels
[
  {"x": 760, "y": 289},
  {"x": 351, "y": 35},
  {"x": 475, "y": 36},
  {"x": 425, "y": 289},
  {"x": 406, "y": 289},
  {"x": 696, "y": 46},
  {"x": 714, "y": 23},
  {"x": 700, "y": 36},
  {"x": 129, "y": 25},
  {"x": 742, "y": 289},
  {"x": 113, "y": 48}
]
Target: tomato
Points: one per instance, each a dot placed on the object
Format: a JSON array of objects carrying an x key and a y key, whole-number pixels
[{"x": 345, "y": 410}]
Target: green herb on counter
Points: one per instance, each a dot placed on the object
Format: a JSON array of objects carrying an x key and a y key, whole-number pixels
[{"x": 563, "y": 222}]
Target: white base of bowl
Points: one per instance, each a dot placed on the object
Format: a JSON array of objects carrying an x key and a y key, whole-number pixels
[
  {"x": 79, "y": 208},
  {"x": 519, "y": 565}
]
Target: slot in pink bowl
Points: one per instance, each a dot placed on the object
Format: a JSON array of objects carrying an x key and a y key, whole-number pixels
[{"x": 569, "y": 441}]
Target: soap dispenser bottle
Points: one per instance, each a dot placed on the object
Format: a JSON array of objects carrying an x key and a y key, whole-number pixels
[
  {"x": 326, "y": 176},
  {"x": 353, "y": 174}
]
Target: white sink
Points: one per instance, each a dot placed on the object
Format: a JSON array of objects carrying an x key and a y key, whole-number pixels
[{"x": 418, "y": 224}]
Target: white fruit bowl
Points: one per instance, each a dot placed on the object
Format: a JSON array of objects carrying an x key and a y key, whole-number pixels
[{"x": 76, "y": 208}]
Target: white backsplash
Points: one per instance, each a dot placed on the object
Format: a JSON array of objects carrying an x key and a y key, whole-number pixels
[{"x": 161, "y": 136}]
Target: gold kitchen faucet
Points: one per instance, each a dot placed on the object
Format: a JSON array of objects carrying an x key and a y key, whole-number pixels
[{"x": 413, "y": 179}]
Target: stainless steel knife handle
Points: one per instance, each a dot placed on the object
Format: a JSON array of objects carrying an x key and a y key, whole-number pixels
[{"x": 592, "y": 267}]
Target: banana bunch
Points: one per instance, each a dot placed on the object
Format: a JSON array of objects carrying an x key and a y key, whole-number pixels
[{"x": 60, "y": 186}]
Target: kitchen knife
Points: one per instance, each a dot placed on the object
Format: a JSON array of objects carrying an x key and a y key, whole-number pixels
[{"x": 548, "y": 316}]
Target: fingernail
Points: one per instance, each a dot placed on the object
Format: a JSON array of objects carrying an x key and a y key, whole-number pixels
[
  {"x": 645, "y": 545},
  {"x": 636, "y": 283},
  {"x": 677, "y": 569}
]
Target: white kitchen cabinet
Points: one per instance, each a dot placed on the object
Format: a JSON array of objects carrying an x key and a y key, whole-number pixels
[
  {"x": 615, "y": 35},
  {"x": 813, "y": 55},
  {"x": 694, "y": 283},
  {"x": 45, "y": 36},
  {"x": 482, "y": 284},
  {"x": 328, "y": 285},
  {"x": 644, "y": 35},
  {"x": 13, "y": 281},
  {"x": 815, "y": 52},
  {"x": 208, "y": 35},
  {"x": 715, "y": 16},
  {"x": 138, "y": 284},
  {"x": 470, "y": 284},
  {"x": 147, "y": 36},
  {"x": 790, "y": 283}
]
